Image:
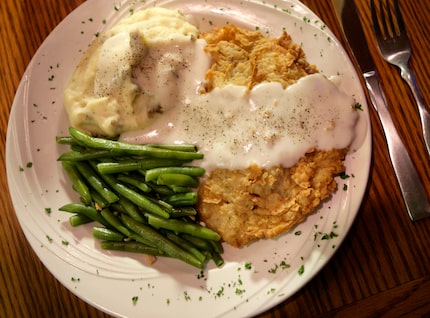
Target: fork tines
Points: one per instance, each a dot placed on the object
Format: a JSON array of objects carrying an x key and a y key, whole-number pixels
[{"x": 390, "y": 26}]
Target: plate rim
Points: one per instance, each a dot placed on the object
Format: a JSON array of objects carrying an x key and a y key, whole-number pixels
[{"x": 27, "y": 232}]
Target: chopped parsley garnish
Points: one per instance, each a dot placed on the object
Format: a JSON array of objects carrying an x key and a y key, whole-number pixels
[
  {"x": 284, "y": 265},
  {"x": 134, "y": 299},
  {"x": 273, "y": 270},
  {"x": 271, "y": 291},
  {"x": 186, "y": 296},
  {"x": 343, "y": 176},
  {"x": 301, "y": 270},
  {"x": 201, "y": 275},
  {"x": 329, "y": 236},
  {"x": 220, "y": 292},
  {"x": 239, "y": 291}
]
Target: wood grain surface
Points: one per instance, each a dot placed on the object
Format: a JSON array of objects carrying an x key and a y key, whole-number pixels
[{"x": 381, "y": 270}]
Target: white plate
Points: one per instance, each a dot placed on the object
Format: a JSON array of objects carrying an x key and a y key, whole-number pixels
[{"x": 110, "y": 281}]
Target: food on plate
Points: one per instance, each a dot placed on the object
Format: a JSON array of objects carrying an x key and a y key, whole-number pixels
[
  {"x": 128, "y": 72},
  {"x": 253, "y": 203},
  {"x": 274, "y": 130},
  {"x": 140, "y": 197},
  {"x": 247, "y": 58}
]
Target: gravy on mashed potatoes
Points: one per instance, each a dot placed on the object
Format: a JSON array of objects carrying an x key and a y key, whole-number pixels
[
  {"x": 274, "y": 131},
  {"x": 131, "y": 72}
]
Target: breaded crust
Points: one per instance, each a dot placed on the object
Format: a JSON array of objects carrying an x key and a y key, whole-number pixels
[
  {"x": 254, "y": 203},
  {"x": 247, "y": 58}
]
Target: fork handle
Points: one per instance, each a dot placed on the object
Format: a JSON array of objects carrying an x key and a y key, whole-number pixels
[
  {"x": 409, "y": 78},
  {"x": 412, "y": 189}
]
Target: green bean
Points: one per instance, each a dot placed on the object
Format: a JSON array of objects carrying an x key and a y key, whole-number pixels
[
  {"x": 166, "y": 206},
  {"x": 117, "y": 147},
  {"x": 153, "y": 174},
  {"x": 150, "y": 190},
  {"x": 118, "y": 208},
  {"x": 95, "y": 182},
  {"x": 179, "y": 226},
  {"x": 217, "y": 246},
  {"x": 201, "y": 244},
  {"x": 161, "y": 189},
  {"x": 182, "y": 199},
  {"x": 180, "y": 147},
  {"x": 88, "y": 211},
  {"x": 99, "y": 201},
  {"x": 77, "y": 183},
  {"x": 136, "y": 198},
  {"x": 161, "y": 242},
  {"x": 131, "y": 209},
  {"x": 179, "y": 189},
  {"x": 117, "y": 167},
  {"x": 65, "y": 140},
  {"x": 183, "y": 211},
  {"x": 78, "y": 148},
  {"x": 79, "y": 219},
  {"x": 187, "y": 246},
  {"x": 218, "y": 260},
  {"x": 132, "y": 247},
  {"x": 84, "y": 154},
  {"x": 116, "y": 223},
  {"x": 177, "y": 179},
  {"x": 121, "y": 166},
  {"x": 151, "y": 163},
  {"x": 106, "y": 234},
  {"x": 139, "y": 184}
]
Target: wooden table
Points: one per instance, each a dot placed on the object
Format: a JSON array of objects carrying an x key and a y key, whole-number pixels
[{"x": 381, "y": 269}]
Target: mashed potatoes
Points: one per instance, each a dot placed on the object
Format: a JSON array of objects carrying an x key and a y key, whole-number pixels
[{"x": 130, "y": 72}]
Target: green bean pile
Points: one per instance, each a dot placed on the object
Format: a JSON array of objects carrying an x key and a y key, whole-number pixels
[{"x": 141, "y": 197}]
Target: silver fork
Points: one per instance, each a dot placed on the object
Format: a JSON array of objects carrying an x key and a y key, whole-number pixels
[{"x": 394, "y": 47}]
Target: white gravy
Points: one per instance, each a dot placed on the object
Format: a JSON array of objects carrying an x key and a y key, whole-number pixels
[{"x": 267, "y": 126}]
